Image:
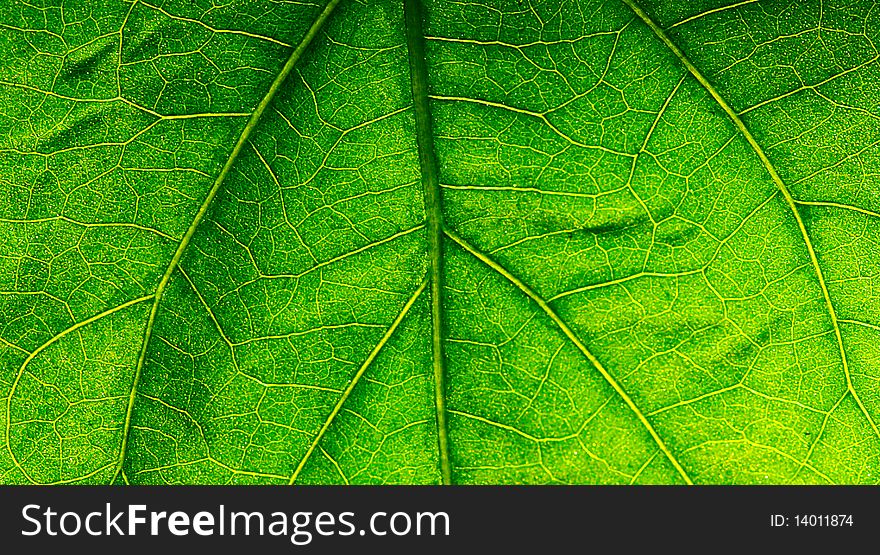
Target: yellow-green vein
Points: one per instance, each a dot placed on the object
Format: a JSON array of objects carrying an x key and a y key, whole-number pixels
[
  {"x": 203, "y": 210},
  {"x": 356, "y": 378},
  {"x": 567, "y": 331},
  {"x": 774, "y": 175},
  {"x": 42, "y": 348},
  {"x": 415, "y": 41}
]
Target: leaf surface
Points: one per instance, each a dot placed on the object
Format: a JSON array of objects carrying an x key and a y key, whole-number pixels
[{"x": 419, "y": 241}]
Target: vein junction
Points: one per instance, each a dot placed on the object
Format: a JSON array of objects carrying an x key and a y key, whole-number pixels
[{"x": 615, "y": 288}]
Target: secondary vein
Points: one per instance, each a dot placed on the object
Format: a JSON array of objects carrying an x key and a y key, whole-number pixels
[
  {"x": 569, "y": 333},
  {"x": 40, "y": 349},
  {"x": 774, "y": 175},
  {"x": 203, "y": 210},
  {"x": 354, "y": 381},
  {"x": 415, "y": 42}
]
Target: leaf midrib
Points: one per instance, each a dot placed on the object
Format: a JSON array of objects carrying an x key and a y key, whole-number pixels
[
  {"x": 435, "y": 231},
  {"x": 415, "y": 41}
]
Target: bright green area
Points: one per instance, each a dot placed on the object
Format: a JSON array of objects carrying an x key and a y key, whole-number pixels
[{"x": 649, "y": 253}]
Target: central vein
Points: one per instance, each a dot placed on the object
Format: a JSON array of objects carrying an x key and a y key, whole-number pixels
[{"x": 415, "y": 41}]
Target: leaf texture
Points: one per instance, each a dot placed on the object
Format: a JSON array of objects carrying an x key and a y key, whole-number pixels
[{"x": 420, "y": 241}]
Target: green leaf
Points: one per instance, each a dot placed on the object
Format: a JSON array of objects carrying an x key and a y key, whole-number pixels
[{"x": 420, "y": 241}]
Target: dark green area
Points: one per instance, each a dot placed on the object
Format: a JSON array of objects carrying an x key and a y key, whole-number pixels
[{"x": 225, "y": 259}]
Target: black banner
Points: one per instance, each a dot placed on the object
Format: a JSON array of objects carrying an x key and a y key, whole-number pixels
[{"x": 578, "y": 519}]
